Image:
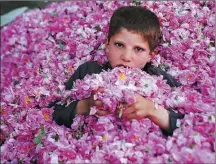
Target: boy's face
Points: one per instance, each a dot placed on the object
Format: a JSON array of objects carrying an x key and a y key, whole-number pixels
[{"x": 128, "y": 49}]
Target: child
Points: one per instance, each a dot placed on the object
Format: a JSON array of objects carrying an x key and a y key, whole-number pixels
[{"x": 133, "y": 36}]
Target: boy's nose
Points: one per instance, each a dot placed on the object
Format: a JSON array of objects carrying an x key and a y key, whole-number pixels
[{"x": 127, "y": 56}]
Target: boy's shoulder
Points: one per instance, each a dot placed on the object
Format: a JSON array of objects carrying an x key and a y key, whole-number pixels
[
  {"x": 89, "y": 67},
  {"x": 93, "y": 67},
  {"x": 153, "y": 70},
  {"x": 89, "y": 64}
]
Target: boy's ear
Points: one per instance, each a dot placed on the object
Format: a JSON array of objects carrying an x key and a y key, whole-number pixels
[
  {"x": 106, "y": 44},
  {"x": 153, "y": 53}
]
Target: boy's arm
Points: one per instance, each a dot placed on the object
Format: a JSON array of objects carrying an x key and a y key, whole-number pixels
[
  {"x": 166, "y": 119},
  {"x": 171, "y": 81},
  {"x": 145, "y": 108},
  {"x": 173, "y": 117},
  {"x": 160, "y": 117},
  {"x": 63, "y": 115}
]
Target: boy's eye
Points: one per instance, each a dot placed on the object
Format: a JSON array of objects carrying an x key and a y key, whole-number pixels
[
  {"x": 119, "y": 44},
  {"x": 139, "y": 49}
]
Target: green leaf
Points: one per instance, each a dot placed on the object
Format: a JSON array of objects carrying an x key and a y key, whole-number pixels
[
  {"x": 37, "y": 140},
  {"x": 196, "y": 134},
  {"x": 42, "y": 133}
]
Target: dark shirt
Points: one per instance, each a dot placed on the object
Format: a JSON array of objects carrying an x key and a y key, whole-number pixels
[{"x": 64, "y": 115}]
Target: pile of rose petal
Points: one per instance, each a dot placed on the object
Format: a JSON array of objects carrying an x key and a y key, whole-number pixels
[
  {"x": 41, "y": 49},
  {"x": 121, "y": 85}
]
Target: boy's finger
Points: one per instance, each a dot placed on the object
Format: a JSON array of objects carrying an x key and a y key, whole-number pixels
[
  {"x": 102, "y": 113},
  {"x": 128, "y": 111},
  {"x": 100, "y": 90},
  {"x": 132, "y": 116},
  {"x": 98, "y": 103}
]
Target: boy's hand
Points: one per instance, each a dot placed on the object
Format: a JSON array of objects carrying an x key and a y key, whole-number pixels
[
  {"x": 92, "y": 102},
  {"x": 83, "y": 106},
  {"x": 98, "y": 103},
  {"x": 144, "y": 108},
  {"x": 140, "y": 109}
]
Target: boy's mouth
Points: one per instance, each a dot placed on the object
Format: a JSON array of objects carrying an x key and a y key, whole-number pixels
[{"x": 121, "y": 65}]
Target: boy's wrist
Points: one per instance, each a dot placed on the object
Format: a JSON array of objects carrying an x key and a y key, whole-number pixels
[
  {"x": 82, "y": 107},
  {"x": 160, "y": 117},
  {"x": 152, "y": 111}
]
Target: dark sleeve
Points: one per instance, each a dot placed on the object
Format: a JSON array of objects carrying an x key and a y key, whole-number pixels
[
  {"x": 173, "y": 117},
  {"x": 171, "y": 81},
  {"x": 64, "y": 115},
  {"x": 86, "y": 68}
]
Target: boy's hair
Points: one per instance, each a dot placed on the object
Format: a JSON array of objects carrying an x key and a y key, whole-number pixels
[{"x": 136, "y": 19}]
